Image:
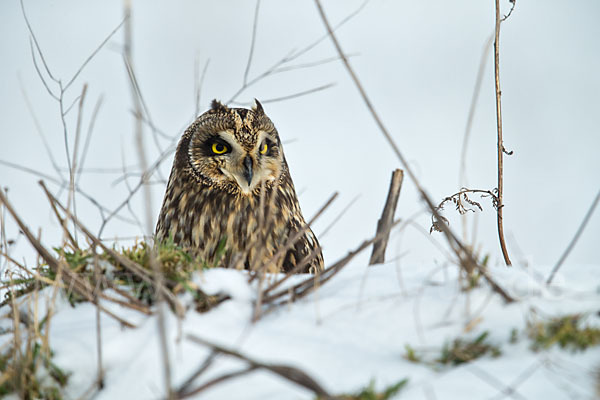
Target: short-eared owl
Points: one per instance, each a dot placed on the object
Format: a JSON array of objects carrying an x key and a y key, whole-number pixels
[{"x": 228, "y": 163}]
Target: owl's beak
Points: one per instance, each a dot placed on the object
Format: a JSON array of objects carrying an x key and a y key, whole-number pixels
[{"x": 248, "y": 169}]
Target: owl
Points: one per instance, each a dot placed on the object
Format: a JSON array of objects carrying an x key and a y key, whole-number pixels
[{"x": 230, "y": 199}]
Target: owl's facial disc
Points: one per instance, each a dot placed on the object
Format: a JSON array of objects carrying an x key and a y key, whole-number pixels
[{"x": 244, "y": 166}]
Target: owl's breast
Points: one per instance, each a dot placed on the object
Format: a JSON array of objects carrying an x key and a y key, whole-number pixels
[{"x": 215, "y": 224}]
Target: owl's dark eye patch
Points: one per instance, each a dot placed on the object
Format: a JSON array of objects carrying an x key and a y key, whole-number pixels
[
  {"x": 216, "y": 146},
  {"x": 267, "y": 148}
]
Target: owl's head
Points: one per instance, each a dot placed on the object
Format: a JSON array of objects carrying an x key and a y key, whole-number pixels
[{"x": 233, "y": 149}]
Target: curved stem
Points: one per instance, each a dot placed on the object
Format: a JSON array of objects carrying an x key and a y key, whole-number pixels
[{"x": 500, "y": 143}]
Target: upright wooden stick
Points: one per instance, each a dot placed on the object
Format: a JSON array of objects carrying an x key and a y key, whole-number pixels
[{"x": 384, "y": 224}]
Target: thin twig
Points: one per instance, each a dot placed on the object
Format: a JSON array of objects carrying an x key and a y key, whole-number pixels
[
  {"x": 499, "y": 211},
  {"x": 31, "y": 171},
  {"x": 88, "y": 139},
  {"x": 214, "y": 381},
  {"x": 143, "y": 180},
  {"x": 198, "y": 86},
  {"x": 39, "y": 72},
  {"x": 472, "y": 108},
  {"x": 63, "y": 223},
  {"x": 87, "y": 60},
  {"x": 39, "y": 130},
  {"x": 311, "y": 64},
  {"x": 100, "y": 369},
  {"x": 338, "y": 217},
  {"x": 573, "y": 241},
  {"x": 252, "y": 43},
  {"x": 73, "y": 171},
  {"x": 75, "y": 100},
  {"x": 335, "y": 29},
  {"x": 514, "y": 3},
  {"x": 185, "y": 386},
  {"x": 37, "y": 46},
  {"x": 102, "y": 210},
  {"x": 293, "y": 95}
]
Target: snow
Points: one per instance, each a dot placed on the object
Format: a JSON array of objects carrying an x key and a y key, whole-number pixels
[{"x": 352, "y": 330}]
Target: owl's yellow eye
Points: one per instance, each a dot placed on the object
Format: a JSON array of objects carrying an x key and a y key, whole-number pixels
[
  {"x": 219, "y": 148},
  {"x": 264, "y": 148}
]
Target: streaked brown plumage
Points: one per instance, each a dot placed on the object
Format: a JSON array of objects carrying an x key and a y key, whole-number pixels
[{"x": 228, "y": 163}]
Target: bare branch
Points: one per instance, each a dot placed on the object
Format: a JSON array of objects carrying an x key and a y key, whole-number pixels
[{"x": 292, "y": 374}]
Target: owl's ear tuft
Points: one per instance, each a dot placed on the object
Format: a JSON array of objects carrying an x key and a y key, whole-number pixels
[
  {"x": 258, "y": 108},
  {"x": 217, "y": 106}
]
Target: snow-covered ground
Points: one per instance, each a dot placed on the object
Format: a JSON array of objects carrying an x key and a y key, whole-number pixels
[{"x": 353, "y": 330}]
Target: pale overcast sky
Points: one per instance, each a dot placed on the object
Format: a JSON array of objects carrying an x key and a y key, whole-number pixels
[{"x": 418, "y": 60}]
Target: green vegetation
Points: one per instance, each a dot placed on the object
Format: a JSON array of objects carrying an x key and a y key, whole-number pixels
[
  {"x": 175, "y": 263},
  {"x": 473, "y": 278},
  {"x": 566, "y": 331},
  {"x": 369, "y": 392},
  {"x": 411, "y": 354},
  {"x": 462, "y": 351},
  {"x": 514, "y": 336},
  {"x": 457, "y": 352}
]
